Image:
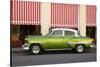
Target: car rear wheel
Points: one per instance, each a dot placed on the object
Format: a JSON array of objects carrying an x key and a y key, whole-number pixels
[
  {"x": 79, "y": 48},
  {"x": 35, "y": 49}
]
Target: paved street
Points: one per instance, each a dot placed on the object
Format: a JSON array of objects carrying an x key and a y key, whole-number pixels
[{"x": 20, "y": 58}]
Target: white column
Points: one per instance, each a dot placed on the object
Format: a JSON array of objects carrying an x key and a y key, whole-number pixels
[
  {"x": 82, "y": 20},
  {"x": 45, "y": 17}
]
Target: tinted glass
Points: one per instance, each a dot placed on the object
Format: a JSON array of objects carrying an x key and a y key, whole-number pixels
[
  {"x": 57, "y": 33},
  {"x": 69, "y": 33}
]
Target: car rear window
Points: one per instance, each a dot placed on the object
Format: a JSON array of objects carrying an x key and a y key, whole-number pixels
[{"x": 69, "y": 33}]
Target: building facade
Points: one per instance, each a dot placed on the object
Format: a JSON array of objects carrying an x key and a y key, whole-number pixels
[{"x": 37, "y": 18}]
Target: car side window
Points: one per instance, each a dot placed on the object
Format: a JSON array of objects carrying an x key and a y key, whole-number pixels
[
  {"x": 69, "y": 33},
  {"x": 57, "y": 33}
]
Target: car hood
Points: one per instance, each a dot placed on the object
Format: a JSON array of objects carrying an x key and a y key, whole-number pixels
[
  {"x": 35, "y": 36},
  {"x": 31, "y": 37},
  {"x": 36, "y": 39}
]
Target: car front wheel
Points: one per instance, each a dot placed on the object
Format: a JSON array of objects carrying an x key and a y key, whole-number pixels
[
  {"x": 35, "y": 49},
  {"x": 79, "y": 48}
]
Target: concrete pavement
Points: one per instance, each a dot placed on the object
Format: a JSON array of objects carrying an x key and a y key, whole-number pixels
[{"x": 21, "y": 58}]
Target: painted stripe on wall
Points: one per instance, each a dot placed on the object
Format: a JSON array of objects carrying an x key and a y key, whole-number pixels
[
  {"x": 64, "y": 15},
  {"x": 25, "y": 12},
  {"x": 91, "y": 15}
]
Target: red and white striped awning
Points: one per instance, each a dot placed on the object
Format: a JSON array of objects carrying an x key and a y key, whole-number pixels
[
  {"x": 25, "y": 12},
  {"x": 64, "y": 15},
  {"x": 91, "y": 16}
]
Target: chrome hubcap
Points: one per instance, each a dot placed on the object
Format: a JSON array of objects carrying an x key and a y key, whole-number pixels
[
  {"x": 80, "y": 48},
  {"x": 36, "y": 49}
]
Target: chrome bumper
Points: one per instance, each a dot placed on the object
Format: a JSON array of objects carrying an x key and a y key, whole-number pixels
[
  {"x": 92, "y": 46},
  {"x": 25, "y": 47}
]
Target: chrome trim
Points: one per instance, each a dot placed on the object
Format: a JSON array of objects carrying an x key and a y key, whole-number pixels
[
  {"x": 93, "y": 46},
  {"x": 25, "y": 47},
  {"x": 77, "y": 43},
  {"x": 57, "y": 49}
]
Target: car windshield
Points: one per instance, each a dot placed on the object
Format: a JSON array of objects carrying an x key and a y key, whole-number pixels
[{"x": 49, "y": 33}]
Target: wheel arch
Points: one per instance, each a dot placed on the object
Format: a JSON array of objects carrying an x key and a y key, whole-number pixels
[
  {"x": 81, "y": 44},
  {"x": 36, "y": 44}
]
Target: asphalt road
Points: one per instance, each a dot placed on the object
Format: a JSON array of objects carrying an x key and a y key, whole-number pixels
[{"x": 20, "y": 58}]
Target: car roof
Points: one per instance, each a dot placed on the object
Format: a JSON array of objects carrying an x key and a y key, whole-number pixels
[{"x": 65, "y": 29}]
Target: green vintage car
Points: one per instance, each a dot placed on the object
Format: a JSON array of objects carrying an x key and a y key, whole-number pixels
[{"x": 57, "y": 39}]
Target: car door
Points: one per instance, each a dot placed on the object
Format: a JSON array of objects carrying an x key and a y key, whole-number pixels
[
  {"x": 56, "y": 40},
  {"x": 69, "y": 37}
]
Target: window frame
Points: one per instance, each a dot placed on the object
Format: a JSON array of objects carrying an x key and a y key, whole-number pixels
[
  {"x": 56, "y": 35},
  {"x": 69, "y": 31}
]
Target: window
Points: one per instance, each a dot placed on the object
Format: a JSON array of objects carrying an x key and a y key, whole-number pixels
[
  {"x": 69, "y": 33},
  {"x": 57, "y": 33},
  {"x": 49, "y": 33}
]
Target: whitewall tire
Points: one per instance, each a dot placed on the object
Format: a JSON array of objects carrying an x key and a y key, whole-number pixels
[
  {"x": 79, "y": 48},
  {"x": 35, "y": 49}
]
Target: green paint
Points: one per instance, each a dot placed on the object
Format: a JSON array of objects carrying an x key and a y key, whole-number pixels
[{"x": 58, "y": 42}]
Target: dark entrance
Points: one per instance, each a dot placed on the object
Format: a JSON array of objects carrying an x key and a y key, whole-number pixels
[
  {"x": 91, "y": 32},
  {"x": 29, "y": 30},
  {"x": 18, "y": 33}
]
